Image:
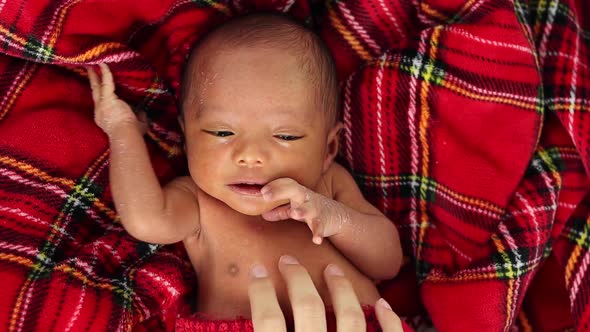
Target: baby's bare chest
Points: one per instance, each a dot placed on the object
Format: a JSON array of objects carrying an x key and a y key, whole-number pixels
[{"x": 230, "y": 243}]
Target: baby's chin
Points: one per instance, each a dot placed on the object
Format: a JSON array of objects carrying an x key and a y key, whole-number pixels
[{"x": 253, "y": 207}]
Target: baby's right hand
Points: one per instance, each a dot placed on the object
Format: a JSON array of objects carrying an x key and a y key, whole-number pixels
[{"x": 110, "y": 112}]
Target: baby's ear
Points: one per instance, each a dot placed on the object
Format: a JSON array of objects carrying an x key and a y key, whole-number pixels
[{"x": 332, "y": 145}]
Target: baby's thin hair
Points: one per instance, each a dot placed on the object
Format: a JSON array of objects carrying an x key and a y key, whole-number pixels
[{"x": 274, "y": 31}]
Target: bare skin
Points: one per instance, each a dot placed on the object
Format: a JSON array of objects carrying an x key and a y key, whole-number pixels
[
  {"x": 268, "y": 316},
  {"x": 228, "y": 239},
  {"x": 262, "y": 184}
]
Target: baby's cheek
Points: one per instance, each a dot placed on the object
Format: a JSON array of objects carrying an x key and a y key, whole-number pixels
[
  {"x": 197, "y": 165},
  {"x": 196, "y": 155},
  {"x": 203, "y": 166},
  {"x": 306, "y": 174}
]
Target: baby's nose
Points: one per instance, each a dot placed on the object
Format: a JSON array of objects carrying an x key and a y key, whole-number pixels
[
  {"x": 250, "y": 160},
  {"x": 250, "y": 155}
]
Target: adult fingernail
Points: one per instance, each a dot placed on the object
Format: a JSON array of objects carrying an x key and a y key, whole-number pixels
[
  {"x": 258, "y": 271},
  {"x": 286, "y": 259},
  {"x": 334, "y": 270},
  {"x": 381, "y": 302}
]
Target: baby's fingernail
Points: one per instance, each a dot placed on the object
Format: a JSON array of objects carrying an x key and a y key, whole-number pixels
[
  {"x": 258, "y": 271},
  {"x": 334, "y": 270},
  {"x": 266, "y": 194},
  {"x": 381, "y": 302},
  {"x": 290, "y": 260},
  {"x": 317, "y": 240}
]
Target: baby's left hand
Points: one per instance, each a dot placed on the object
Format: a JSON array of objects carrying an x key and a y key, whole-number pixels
[{"x": 323, "y": 216}]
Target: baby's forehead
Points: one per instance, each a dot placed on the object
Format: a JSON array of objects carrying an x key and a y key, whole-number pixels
[
  {"x": 216, "y": 55},
  {"x": 221, "y": 65},
  {"x": 252, "y": 106},
  {"x": 284, "y": 112},
  {"x": 267, "y": 36}
]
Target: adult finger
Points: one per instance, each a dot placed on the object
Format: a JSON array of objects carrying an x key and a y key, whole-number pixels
[
  {"x": 307, "y": 305},
  {"x": 94, "y": 84},
  {"x": 349, "y": 315},
  {"x": 107, "y": 84},
  {"x": 389, "y": 321},
  {"x": 264, "y": 306}
]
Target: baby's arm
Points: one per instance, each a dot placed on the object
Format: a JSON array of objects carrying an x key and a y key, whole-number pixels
[
  {"x": 148, "y": 212},
  {"x": 368, "y": 239},
  {"x": 362, "y": 233}
]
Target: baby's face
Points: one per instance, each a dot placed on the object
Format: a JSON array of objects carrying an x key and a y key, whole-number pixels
[{"x": 254, "y": 120}]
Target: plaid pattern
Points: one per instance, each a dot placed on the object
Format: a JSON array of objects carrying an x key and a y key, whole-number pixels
[
  {"x": 467, "y": 122},
  {"x": 196, "y": 323}
]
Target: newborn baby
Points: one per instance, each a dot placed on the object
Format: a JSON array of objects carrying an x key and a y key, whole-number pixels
[{"x": 259, "y": 116}]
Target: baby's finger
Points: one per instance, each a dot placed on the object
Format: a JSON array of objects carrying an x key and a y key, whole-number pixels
[
  {"x": 349, "y": 315},
  {"x": 306, "y": 213},
  {"x": 285, "y": 188},
  {"x": 107, "y": 84},
  {"x": 317, "y": 230},
  {"x": 276, "y": 214},
  {"x": 301, "y": 212},
  {"x": 389, "y": 321},
  {"x": 94, "y": 84},
  {"x": 264, "y": 306},
  {"x": 308, "y": 308}
]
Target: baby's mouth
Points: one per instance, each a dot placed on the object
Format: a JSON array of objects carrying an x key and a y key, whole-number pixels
[{"x": 249, "y": 189}]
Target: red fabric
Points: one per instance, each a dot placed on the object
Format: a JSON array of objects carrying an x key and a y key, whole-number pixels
[
  {"x": 546, "y": 305},
  {"x": 196, "y": 323},
  {"x": 466, "y": 122}
]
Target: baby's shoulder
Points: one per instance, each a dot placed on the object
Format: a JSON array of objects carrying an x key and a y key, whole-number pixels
[
  {"x": 337, "y": 178},
  {"x": 185, "y": 183},
  {"x": 181, "y": 189},
  {"x": 337, "y": 170}
]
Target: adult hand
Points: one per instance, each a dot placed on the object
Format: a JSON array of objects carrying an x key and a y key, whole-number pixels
[{"x": 308, "y": 307}]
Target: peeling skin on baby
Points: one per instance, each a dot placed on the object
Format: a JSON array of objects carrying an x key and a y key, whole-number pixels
[
  {"x": 206, "y": 83},
  {"x": 341, "y": 216}
]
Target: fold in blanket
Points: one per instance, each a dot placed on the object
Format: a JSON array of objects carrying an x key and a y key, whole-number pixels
[{"x": 467, "y": 123}]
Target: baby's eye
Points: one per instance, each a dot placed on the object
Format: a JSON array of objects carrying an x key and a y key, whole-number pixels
[
  {"x": 288, "y": 137},
  {"x": 219, "y": 133}
]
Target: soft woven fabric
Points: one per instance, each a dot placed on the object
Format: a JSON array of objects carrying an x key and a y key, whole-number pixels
[
  {"x": 467, "y": 122},
  {"x": 198, "y": 323}
]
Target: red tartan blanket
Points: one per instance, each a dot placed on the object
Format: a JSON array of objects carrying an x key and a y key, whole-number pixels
[{"x": 467, "y": 122}]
